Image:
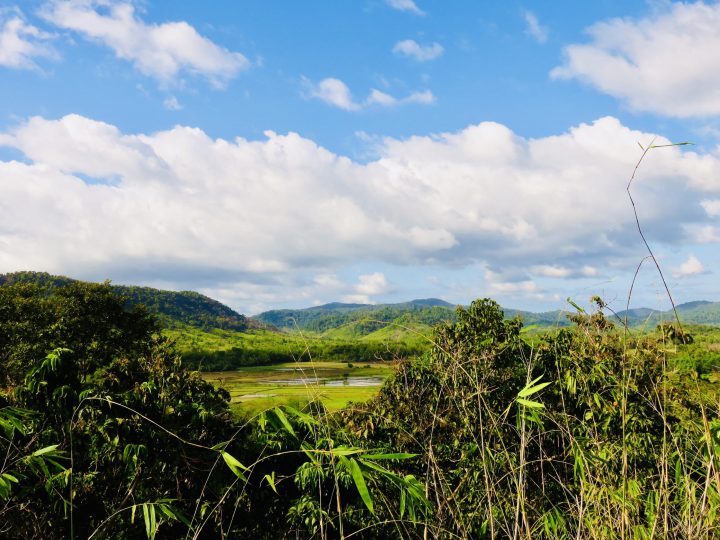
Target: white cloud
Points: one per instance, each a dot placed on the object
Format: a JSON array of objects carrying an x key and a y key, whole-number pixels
[
  {"x": 405, "y": 5},
  {"x": 703, "y": 234},
  {"x": 712, "y": 207},
  {"x": 421, "y": 53},
  {"x": 664, "y": 63},
  {"x": 368, "y": 285},
  {"x": 691, "y": 267},
  {"x": 267, "y": 217},
  {"x": 556, "y": 271},
  {"x": 21, "y": 43},
  {"x": 336, "y": 93},
  {"x": 171, "y": 103},
  {"x": 333, "y": 92},
  {"x": 533, "y": 27},
  {"x": 551, "y": 270},
  {"x": 372, "y": 284},
  {"x": 377, "y": 97},
  {"x": 505, "y": 283},
  {"x": 162, "y": 51}
]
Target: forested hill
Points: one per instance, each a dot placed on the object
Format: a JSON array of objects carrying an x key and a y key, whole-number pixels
[
  {"x": 697, "y": 312},
  {"x": 364, "y": 319},
  {"x": 360, "y": 319},
  {"x": 172, "y": 308}
]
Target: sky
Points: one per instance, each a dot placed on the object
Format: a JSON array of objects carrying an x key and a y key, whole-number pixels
[{"x": 276, "y": 154}]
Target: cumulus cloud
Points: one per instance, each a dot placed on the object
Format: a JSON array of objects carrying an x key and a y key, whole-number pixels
[
  {"x": 21, "y": 43},
  {"x": 368, "y": 285},
  {"x": 333, "y": 92},
  {"x": 336, "y": 93},
  {"x": 533, "y": 27},
  {"x": 405, "y": 5},
  {"x": 162, "y": 51},
  {"x": 421, "y": 53},
  {"x": 645, "y": 62},
  {"x": 178, "y": 206},
  {"x": 691, "y": 267}
]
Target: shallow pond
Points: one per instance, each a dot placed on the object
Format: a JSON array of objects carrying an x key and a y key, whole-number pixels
[{"x": 326, "y": 381}]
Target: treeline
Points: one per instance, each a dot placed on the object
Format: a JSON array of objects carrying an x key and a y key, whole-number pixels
[
  {"x": 590, "y": 432},
  {"x": 325, "y": 350}
]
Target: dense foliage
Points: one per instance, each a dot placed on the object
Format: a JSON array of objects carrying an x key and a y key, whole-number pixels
[
  {"x": 586, "y": 432},
  {"x": 86, "y": 385}
]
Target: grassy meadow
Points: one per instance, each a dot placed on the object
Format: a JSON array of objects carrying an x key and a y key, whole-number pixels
[{"x": 257, "y": 388}]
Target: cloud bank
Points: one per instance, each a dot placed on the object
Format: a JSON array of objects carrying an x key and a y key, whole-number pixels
[{"x": 177, "y": 205}]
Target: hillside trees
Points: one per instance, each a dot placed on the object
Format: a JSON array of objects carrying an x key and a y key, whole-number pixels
[
  {"x": 582, "y": 433},
  {"x": 99, "y": 416}
]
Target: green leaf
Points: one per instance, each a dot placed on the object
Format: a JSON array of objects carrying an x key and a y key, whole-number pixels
[
  {"x": 360, "y": 484},
  {"x": 530, "y": 404},
  {"x": 305, "y": 418},
  {"x": 284, "y": 421},
  {"x": 270, "y": 479},
  {"x": 150, "y": 520},
  {"x": 45, "y": 450},
  {"x": 346, "y": 451},
  {"x": 235, "y": 466},
  {"x": 530, "y": 390},
  {"x": 10, "y": 477},
  {"x": 573, "y": 304},
  {"x": 399, "y": 455}
]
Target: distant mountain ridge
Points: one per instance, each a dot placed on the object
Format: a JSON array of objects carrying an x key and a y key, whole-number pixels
[
  {"x": 360, "y": 319},
  {"x": 365, "y": 319},
  {"x": 347, "y": 320},
  {"x": 173, "y": 308},
  {"x": 695, "y": 312}
]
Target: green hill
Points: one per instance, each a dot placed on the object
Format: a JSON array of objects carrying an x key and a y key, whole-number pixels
[
  {"x": 696, "y": 312},
  {"x": 172, "y": 308},
  {"x": 360, "y": 320}
]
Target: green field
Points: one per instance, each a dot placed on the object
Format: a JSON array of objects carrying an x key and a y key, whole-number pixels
[{"x": 336, "y": 384}]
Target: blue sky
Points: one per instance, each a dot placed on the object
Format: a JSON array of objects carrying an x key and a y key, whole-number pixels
[{"x": 284, "y": 154}]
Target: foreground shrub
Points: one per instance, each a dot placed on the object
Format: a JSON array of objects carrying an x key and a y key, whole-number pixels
[{"x": 582, "y": 434}]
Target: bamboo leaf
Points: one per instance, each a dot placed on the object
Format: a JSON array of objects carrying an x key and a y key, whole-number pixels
[
  {"x": 270, "y": 479},
  {"x": 235, "y": 466},
  {"x": 146, "y": 519},
  {"x": 45, "y": 450},
  {"x": 530, "y": 404},
  {"x": 399, "y": 455},
  {"x": 284, "y": 421},
  {"x": 530, "y": 390},
  {"x": 346, "y": 451},
  {"x": 360, "y": 484}
]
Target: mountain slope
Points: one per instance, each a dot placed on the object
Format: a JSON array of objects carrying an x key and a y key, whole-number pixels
[
  {"x": 172, "y": 308},
  {"x": 696, "y": 312},
  {"x": 358, "y": 320}
]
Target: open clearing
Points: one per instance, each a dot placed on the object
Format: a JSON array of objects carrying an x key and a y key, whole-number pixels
[{"x": 334, "y": 383}]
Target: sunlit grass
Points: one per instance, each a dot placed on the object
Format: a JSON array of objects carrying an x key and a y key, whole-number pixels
[{"x": 257, "y": 388}]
